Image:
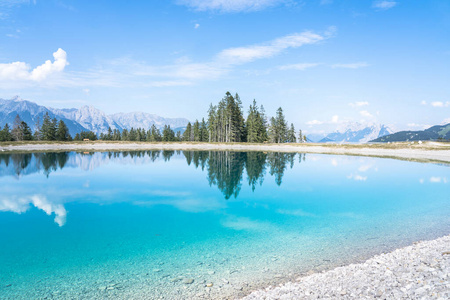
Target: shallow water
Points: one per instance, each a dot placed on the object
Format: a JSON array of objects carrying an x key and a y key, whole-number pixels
[{"x": 143, "y": 224}]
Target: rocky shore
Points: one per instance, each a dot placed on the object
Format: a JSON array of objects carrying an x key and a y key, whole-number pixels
[{"x": 420, "y": 271}]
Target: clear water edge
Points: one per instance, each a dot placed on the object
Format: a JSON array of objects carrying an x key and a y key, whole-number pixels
[{"x": 138, "y": 225}]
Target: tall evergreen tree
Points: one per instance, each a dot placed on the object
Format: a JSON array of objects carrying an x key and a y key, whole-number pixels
[
  {"x": 278, "y": 127},
  {"x": 25, "y": 131},
  {"x": 187, "y": 132},
  {"x": 196, "y": 131},
  {"x": 290, "y": 138},
  {"x": 5, "y": 134},
  {"x": 62, "y": 132},
  {"x": 37, "y": 136},
  {"x": 203, "y": 131},
  {"x": 16, "y": 131},
  {"x": 168, "y": 134}
]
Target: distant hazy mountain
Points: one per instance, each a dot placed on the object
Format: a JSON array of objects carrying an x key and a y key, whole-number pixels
[
  {"x": 140, "y": 119},
  {"x": 356, "y": 133},
  {"x": 30, "y": 112},
  {"x": 433, "y": 133},
  {"x": 84, "y": 118}
]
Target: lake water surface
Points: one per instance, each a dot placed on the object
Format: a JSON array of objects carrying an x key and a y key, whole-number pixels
[{"x": 168, "y": 224}]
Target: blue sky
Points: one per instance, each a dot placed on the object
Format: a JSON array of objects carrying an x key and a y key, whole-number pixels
[{"x": 326, "y": 62}]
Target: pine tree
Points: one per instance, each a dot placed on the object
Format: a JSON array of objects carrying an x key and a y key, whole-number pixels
[
  {"x": 25, "y": 131},
  {"x": 109, "y": 135},
  {"x": 124, "y": 135},
  {"x": 37, "y": 136},
  {"x": 5, "y": 134},
  {"x": 187, "y": 132},
  {"x": 62, "y": 132},
  {"x": 278, "y": 128},
  {"x": 291, "y": 135},
  {"x": 168, "y": 134},
  {"x": 196, "y": 131},
  {"x": 203, "y": 131},
  {"x": 16, "y": 132},
  {"x": 301, "y": 138}
]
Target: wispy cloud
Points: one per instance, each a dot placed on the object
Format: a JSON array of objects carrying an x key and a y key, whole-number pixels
[
  {"x": 230, "y": 6},
  {"x": 128, "y": 72},
  {"x": 438, "y": 179},
  {"x": 359, "y": 104},
  {"x": 440, "y": 104},
  {"x": 384, "y": 5},
  {"x": 357, "y": 177},
  {"x": 7, "y": 5},
  {"x": 196, "y": 26},
  {"x": 356, "y": 65},
  {"x": 365, "y": 114},
  {"x": 300, "y": 67},
  {"x": 314, "y": 122},
  {"x": 242, "y": 55}
]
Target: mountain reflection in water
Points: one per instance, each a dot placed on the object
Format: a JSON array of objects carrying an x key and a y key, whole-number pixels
[{"x": 225, "y": 169}]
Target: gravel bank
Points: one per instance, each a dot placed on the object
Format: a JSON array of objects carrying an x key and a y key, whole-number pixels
[
  {"x": 420, "y": 271},
  {"x": 426, "y": 152}
]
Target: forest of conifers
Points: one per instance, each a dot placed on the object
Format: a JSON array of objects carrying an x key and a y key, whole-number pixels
[{"x": 225, "y": 123}]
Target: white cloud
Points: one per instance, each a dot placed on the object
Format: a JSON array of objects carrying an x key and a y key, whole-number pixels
[
  {"x": 438, "y": 179},
  {"x": 229, "y": 5},
  {"x": 364, "y": 168},
  {"x": 384, "y": 5},
  {"x": 356, "y": 65},
  {"x": 86, "y": 91},
  {"x": 440, "y": 104},
  {"x": 126, "y": 72},
  {"x": 196, "y": 26},
  {"x": 357, "y": 177},
  {"x": 359, "y": 103},
  {"x": 446, "y": 121},
  {"x": 300, "y": 67},
  {"x": 242, "y": 55},
  {"x": 314, "y": 122},
  {"x": 365, "y": 114},
  {"x": 21, "y": 205},
  {"x": 21, "y": 71},
  {"x": 423, "y": 102},
  {"x": 335, "y": 119}
]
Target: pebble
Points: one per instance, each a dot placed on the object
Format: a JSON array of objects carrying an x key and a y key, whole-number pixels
[
  {"x": 420, "y": 271},
  {"x": 188, "y": 281},
  {"x": 209, "y": 285}
]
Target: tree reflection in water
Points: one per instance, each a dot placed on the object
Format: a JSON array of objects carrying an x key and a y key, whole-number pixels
[{"x": 225, "y": 169}]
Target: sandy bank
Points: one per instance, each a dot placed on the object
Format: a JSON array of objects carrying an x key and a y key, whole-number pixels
[
  {"x": 420, "y": 271},
  {"x": 437, "y": 152}
]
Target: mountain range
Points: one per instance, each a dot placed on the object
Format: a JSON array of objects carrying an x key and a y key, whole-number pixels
[
  {"x": 86, "y": 118},
  {"x": 353, "y": 133},
  {"x": 433, "y": 133}
]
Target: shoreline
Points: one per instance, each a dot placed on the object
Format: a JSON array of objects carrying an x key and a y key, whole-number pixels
[
  {"x": 418, "y": 271},
  {"x": 425, "y": 152}
]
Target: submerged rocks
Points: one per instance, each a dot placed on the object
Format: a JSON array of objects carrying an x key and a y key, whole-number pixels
[
  {"x": 188, "y": 280},
  {"x": 421, "y": 271}
]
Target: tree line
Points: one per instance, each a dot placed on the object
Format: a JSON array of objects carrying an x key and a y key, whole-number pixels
[
  {"x": 49, "y": 130},
  {"x": 225, "y": 123}
]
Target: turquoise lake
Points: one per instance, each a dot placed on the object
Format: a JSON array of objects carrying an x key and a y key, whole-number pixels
[{"x": 168, "y": 224}]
